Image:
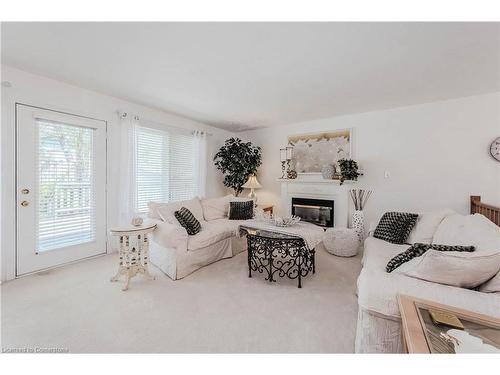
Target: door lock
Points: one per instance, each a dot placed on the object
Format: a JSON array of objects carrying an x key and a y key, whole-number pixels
[
  {"x": 25, "y": 203},
  {"x": 25, "y": 191}
]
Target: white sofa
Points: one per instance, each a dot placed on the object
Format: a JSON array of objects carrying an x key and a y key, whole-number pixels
[
  {"x": 176, "y": 253},
  {"x": 379, "y": 320}
]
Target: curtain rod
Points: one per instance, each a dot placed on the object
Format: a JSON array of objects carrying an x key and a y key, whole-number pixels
[{"x": 124, "y": 115}]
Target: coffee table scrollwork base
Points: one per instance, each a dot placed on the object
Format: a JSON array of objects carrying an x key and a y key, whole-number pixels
[{"x": 282, "y": 257}]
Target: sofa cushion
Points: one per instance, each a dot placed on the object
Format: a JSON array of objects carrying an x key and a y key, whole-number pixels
[
  {"x": 465, "y": 270},
  {"x": 378, "y": 290},
  {"x": 212, "y": 232},
  {"x": 492, "y": 285},
  {"x": 169, "y": 235},
  {"x": 216, "y": 208},
  {"x": 426, "y": 225},
  {"x": 395, "y": 227},
  {"x": 166, "y": 211},
  {"x": 475, "y": 230}
]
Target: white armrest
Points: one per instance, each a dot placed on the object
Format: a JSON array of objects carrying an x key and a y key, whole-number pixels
[{"x": 170, "y": 235}]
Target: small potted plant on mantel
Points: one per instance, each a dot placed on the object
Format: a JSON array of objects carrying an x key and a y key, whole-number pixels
[{"x": 348, "y": 170}]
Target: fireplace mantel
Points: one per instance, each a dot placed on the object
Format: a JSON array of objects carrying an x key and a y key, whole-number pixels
[{"x": 317, "y": 188}]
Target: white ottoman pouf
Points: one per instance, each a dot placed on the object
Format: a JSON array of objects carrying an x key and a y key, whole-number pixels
[{"x": 343, "y": 242}]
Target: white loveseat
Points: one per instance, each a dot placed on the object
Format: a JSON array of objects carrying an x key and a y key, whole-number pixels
[
  {"x": 176, "y": 253},
  {"x": 379, "y": 320}
]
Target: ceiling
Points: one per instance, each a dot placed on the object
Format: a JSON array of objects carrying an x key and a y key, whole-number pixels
[{"x": 238, "y": 76}]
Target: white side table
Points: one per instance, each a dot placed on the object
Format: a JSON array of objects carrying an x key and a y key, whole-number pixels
[{"x": 133, "y": 260}]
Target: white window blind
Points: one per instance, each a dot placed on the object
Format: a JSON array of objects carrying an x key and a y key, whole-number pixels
[
  {"x": 165, "y": 166},
  {"x": 65, "y": 185}
]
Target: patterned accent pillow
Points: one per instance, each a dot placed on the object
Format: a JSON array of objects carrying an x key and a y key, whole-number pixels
[
  {"x": 418, "y": 249},
  {"x": 241, "y": 210},
  {"x": 395, "y": 227},
  {"x": 188, "y": 221}
]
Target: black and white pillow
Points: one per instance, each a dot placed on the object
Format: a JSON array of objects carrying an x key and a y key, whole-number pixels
[
  {"x": 418, "y": 249},
  {"x": 395, "y": 227},
  {"x": 188, "y": 221},
  {"x": 241, "y": 210}
]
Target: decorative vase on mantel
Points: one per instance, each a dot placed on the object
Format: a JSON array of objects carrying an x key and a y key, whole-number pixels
[{"x": 358, "y": 224}]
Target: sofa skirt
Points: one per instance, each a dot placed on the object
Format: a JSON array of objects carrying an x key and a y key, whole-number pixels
[{"x": 179, "y": 265}]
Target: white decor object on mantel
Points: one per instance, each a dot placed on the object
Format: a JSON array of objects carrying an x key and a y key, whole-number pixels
[{"x": 315, "y": 187}]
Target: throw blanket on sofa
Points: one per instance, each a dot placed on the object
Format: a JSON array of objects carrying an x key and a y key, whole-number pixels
[
  {"x": 418, "y": 249},
  {"x": 310, "y": 233}
]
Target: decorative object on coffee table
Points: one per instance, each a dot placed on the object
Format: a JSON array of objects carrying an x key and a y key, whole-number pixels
[
  {"x": 252, "y": 184},
  {"x": 133, "y": 259},
  {"x": 278, "y": 254},
  {"x": 342, "y": 242},
  {"x": 238, "y": 160},
  {"x": 359, "y": 198},
  {"x": 348, "y": 170},
  {"x": 285, "y": 221}
]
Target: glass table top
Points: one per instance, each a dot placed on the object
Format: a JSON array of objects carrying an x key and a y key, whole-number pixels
[{"x": 267, "y": 233}]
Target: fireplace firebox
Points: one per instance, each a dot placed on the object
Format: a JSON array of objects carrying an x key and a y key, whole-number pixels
[{"x": 316, "y": 211}]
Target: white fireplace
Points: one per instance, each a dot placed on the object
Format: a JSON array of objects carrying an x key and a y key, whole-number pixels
[{"x": 314, "y": 187}]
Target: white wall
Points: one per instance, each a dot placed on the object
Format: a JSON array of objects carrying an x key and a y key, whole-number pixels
[
  {"x": 47, "y": 93},
  {"x": 437, "y": 154}
]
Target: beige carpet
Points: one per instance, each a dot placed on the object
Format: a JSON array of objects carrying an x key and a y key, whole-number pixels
[{"x": 216, "y": 309}]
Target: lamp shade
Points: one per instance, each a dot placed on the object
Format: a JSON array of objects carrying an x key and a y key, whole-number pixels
[{"x": 252, "y": 183}]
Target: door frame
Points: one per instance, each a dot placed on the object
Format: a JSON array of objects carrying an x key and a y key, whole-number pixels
[{"x": 16, "y": 186}]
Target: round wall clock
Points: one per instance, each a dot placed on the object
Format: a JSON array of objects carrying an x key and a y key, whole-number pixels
[{"x": 495, "y": 149}]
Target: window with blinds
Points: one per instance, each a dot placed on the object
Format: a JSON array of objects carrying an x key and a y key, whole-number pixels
[
  {"x": 165, "y": 168},
  {"x": 65, "y": 178}
]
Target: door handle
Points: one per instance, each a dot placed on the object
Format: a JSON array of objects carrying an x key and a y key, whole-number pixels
[
  {"x": 25, "y": 203},
  {"x": 25, "y": 191}
]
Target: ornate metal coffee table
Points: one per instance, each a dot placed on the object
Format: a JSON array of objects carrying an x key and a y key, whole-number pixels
[{"x": 278, "y": 254}]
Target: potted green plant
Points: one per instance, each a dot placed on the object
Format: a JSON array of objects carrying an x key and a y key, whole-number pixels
[
  {"x": 237, "y": 160},
  {"x": 348, "y": 170}
]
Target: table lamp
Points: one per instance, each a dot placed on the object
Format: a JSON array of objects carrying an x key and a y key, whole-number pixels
[{"x": 252, "y": 184}]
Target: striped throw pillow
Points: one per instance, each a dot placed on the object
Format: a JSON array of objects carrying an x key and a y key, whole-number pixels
[
  {"x": 418, "y": 249},
  {"x": 188, "y": 221}
]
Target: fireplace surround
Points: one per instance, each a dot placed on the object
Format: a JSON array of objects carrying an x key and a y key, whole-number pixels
[{"x": 315, "y": 187}]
